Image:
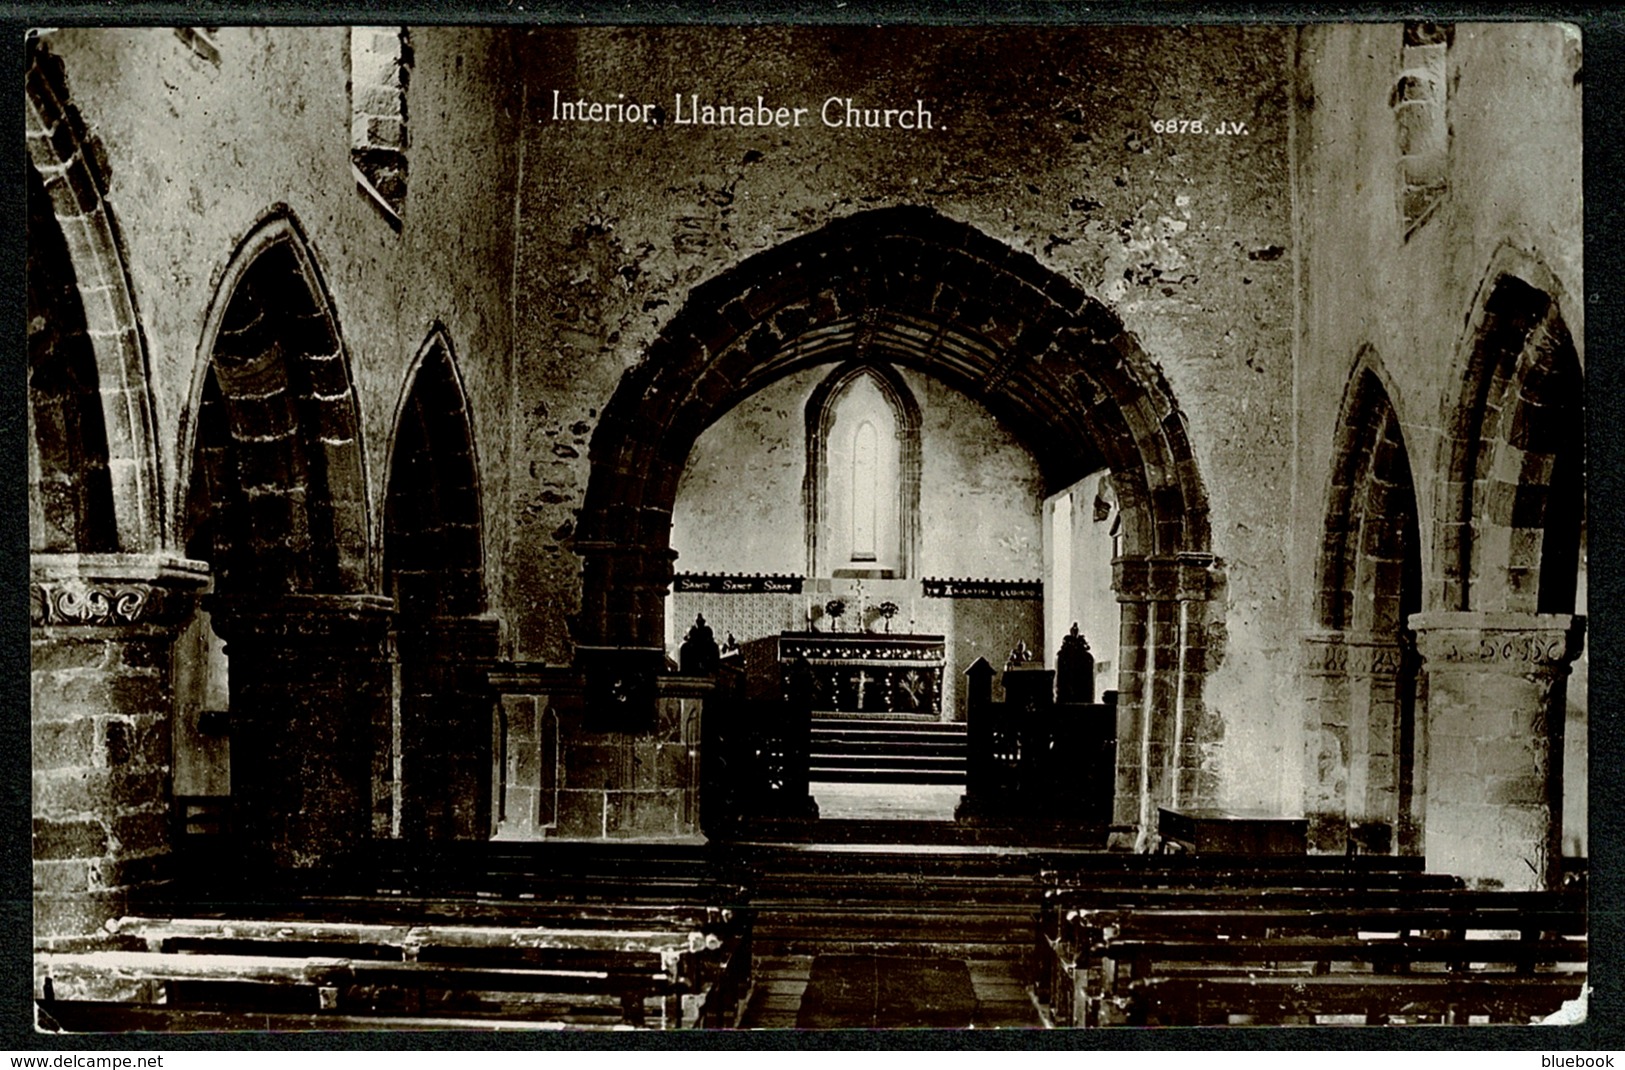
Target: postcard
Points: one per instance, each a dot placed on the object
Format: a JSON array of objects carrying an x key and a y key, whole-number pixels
[{"x": 795, "y": 527}]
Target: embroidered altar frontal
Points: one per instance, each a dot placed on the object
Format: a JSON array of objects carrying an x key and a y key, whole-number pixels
[{"x": 875, "y": 674}]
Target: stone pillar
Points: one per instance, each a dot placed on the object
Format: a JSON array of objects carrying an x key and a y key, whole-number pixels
[
  {"x": 1164, "y": 732},
  {"x": 1352, "y": 747},
  {"x": 1326, "y": 741},
  {"x": 624, "y": 590},
  {"x": 1375, "y": 812},
  {"x": 310, "y": 677},
  {"x": 1494, "y": 742},
  {"x": 102, "y": 637},
  {"x": 446, "y": 704},
  {"x": 620, "y": 632}
]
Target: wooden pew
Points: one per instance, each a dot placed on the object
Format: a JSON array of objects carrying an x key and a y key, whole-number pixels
[
  {"x": 1373, "y": 999},
  {"x": 619, "y": 991},
  {"x": 549, "y": 870},
  {"x": 594, "y": 976},
  {"x": 1208, "y": 880},
  {"x": 1086, "y": 959}
]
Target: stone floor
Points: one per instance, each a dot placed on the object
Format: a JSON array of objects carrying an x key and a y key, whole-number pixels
[
  {"x": 886, "y": 802},
  {"x": 1002, "y": 1000}
]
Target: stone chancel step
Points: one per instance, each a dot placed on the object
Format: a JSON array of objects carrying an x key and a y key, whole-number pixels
[{"x": 864, "y": 750}]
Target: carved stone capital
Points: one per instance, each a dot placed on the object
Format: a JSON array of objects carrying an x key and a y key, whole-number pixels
[
  {"x": 1325, "y": 654},
  {"x": 318, "y": 622},
  {"x": 1519, "y": 643},
  {"x": 1350, "y": 654},
  {"x": 1185, "y": 577},
  {"x": 112, "y": 590}
]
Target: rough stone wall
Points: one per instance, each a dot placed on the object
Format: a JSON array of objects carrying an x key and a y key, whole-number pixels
[
  {"x": 1513, "y": 199},
  {"x": 1047, "y": 149},
  {"x": 1252, "y": 269},
  {"x": 740, "y": 510},
  {"x": 740, "y": 505},
  {"x": 196, "y": 151}
]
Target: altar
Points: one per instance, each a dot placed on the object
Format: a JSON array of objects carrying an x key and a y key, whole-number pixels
[{"x": 867, "y": 673}]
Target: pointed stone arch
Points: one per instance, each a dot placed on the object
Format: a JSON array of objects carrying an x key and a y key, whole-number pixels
[
  {"x": 287, "y": 427},
  {"x": 70, "y": 502},
  {"x": 434, "y": 567},
  {"x": 1509, "y": 522},
  {"x": 67, "y": 195},
  {"x": 1509, "y": 516},
  {"x": 912, "y": 287},
  {"x": 434, "y": 554},
  {"x": 277, "y": 504},
  {"x": 1361, "y": 737}
]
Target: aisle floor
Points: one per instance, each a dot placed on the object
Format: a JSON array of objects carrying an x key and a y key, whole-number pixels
[{"x": 1002, "y": 999}]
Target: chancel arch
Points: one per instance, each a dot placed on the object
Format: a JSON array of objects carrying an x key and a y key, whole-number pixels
[
  {"x": 277, "y": 505},
  {"x": 1361, "y": 741},
  {"x": 1508, "y": 628},
  {"x": 434, "y": 568},
  {"x": 915, "y": 288}
]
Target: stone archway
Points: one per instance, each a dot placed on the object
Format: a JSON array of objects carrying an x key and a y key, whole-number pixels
[
  {"x": 106, "y": 598},
  {"x": 434, "y": 567},
  {"x": 1362, "y": 663},
  {"x": 1499, "y": 647},
  {"x": 73, "y": 205},
  {"x": 278, "y": 507},
  {"x": 913, "y": 287},
  {"x": 71, "y": 505}
]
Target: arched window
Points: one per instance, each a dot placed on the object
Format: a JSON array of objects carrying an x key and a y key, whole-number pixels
[
  {"x": 867, "y": 491},
  {"x": 863, "y": 474}
]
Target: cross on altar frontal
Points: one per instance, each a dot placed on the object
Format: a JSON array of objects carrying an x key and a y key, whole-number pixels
[{"x": 861, "y": 672}]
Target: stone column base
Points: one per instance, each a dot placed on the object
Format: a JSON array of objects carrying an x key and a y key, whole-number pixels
[{"x": 310, "y": 677}]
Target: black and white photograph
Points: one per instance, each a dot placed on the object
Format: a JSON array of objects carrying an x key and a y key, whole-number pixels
[{"x": 807, "y": 527}]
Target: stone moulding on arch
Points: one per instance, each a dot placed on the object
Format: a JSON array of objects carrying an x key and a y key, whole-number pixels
[
  {"x": 908, "y": 286},
  {"x": 306, "y": 365},
  {"x": 59, "y": 153}
]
